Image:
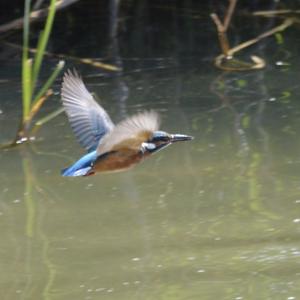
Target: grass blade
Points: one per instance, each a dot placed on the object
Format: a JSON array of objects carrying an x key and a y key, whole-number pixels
[
  {"x": 49, "y": 117},
  {"x": 26, "y": 64},
  {"x": 49, "y": 82},
  {"x": 42, "y": 43},
  {"x": 26, "y": 86}
]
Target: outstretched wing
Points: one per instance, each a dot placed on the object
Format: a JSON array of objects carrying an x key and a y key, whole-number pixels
[
  {"x": 88, "y": 119},
  {"x": 130, "y": 133}
]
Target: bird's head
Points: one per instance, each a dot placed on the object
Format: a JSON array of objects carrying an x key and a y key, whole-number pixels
[{"x": 162, "y": 139}]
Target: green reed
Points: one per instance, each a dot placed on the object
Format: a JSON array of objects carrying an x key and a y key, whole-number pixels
[{"x": 32, "y": 96}]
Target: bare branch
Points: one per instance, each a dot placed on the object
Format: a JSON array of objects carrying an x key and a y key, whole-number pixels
[
  {"x": 34, "y": 16},
  {"x": 218, "y": 22},
  {"x": 229, "y": 13}
]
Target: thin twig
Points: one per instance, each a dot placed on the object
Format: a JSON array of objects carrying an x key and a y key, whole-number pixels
[
  {"x": 236, "y": 65},
  {"x": 229, "y": 13},
  {"x": 45, "y": 120},
  {"x": 276, "y": 12},
  {"x": 218, "y": 22},
  {"x": 288, "y": 22},
  {"x": 223, "y": 26},
  {"x": 36, "y": 107},
  {"x": 87, "y": 61},
  {"x": 34, "y": 16},
  {"x": 222, "y": 36}
]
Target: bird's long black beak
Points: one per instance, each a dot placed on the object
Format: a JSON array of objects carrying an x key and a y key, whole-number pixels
[{"x": 180, "y": 138}]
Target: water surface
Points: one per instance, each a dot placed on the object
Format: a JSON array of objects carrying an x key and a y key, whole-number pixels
[{"x": 215, "y": 218}]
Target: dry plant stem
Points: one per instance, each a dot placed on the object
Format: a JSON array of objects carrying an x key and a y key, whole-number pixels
[
  {"x": 228, "y": 52},
  {"x": 287, "y": 23},
  {"x": 87, "y": 61},
  {"x": 229, "y": 13},
  {"x": 34, "y": 16},
  {"x": 35, "y": 108},
  {"x": 222, "y": 27},
  {"x": 93, "y": 63},
  {"x": 258, "y": 63},
  {"x": 223, "y": 40},
  {"x": 272, "y": 13},
  {"x": 23, "y": 133}
]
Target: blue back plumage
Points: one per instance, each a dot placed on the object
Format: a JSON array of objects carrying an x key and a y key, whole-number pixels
[{"x": 82, "y": 166}]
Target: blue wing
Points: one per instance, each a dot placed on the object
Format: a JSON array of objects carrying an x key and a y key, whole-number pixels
[
  {"x": 88, "y": 119},
  {"x": 82, "y": 166}
]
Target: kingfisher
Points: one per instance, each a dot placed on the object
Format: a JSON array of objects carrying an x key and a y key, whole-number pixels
[{"x": 109, "y": 147}]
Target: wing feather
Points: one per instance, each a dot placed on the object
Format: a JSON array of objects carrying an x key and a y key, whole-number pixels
[
  {"x": 130, "y": 133},
  {"x": 88, "y": 119}
]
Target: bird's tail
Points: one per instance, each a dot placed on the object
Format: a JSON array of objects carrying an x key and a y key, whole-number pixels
[
  {"x": 72, "y": 172},
  {"x": 83, "y": 167}
]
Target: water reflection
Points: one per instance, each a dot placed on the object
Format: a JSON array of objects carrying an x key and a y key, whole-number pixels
[{"x": 28, "y": 271}]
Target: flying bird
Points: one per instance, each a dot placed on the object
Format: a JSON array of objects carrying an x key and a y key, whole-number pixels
[{"x": 109, "y": 147}]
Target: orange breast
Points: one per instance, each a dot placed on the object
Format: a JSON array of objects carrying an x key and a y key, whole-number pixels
[{"x": 117, "y": 161}]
